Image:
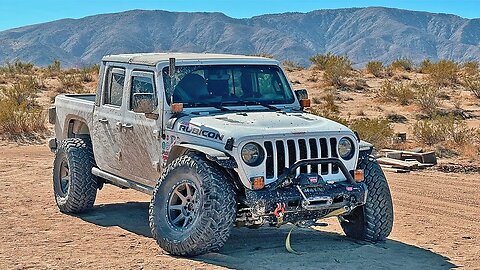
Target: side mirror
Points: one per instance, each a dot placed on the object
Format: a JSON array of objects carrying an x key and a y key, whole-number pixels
[
  {"x": 302, "y": 96},
  {"x": 143, "y": 103}
]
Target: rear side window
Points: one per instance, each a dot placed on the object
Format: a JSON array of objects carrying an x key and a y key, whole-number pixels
[
  {"x": 114, "y": 89},
  {"x": 142, "y": 88}
]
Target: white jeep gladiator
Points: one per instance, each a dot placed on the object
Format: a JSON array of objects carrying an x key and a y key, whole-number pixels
[{"x": 217, "y": 140}]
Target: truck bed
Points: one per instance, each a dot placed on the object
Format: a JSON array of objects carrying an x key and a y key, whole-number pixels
[{"x": 72, "y": 107}]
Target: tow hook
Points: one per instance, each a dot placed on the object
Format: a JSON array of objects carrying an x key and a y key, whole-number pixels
[{"x": 279, "y": 213}]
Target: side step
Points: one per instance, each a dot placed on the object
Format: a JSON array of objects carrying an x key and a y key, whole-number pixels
[{"x": 121, "y": 182}]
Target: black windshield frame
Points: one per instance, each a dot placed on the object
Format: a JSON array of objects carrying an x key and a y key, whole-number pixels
[{"x": 268, "y": 84}]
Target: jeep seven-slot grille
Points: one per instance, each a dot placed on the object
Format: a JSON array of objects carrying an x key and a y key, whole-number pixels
[{"x": 283, "y": 153}]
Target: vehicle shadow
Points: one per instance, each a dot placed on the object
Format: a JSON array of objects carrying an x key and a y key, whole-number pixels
[{"x": 264, "y": 248}]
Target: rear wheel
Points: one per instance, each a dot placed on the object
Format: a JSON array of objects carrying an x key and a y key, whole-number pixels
[
  {"x": 74, "y": 185},
  {"x": 373, "y": 221},
  {"x": 193, "y": 207}
]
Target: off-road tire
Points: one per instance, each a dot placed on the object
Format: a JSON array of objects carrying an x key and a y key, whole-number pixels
[
  {"x": 82, "y": 185},
  {"x": 373, "y": 221},
  {"x": 216, "y": 207}
]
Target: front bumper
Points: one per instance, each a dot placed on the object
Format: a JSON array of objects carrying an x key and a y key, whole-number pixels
[{"x": 306, "y": 196}]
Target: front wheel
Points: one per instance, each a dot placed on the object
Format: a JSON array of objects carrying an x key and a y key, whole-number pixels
[
  {"x": 373, "y": 221},
  {"x": 193, "y": 207}
]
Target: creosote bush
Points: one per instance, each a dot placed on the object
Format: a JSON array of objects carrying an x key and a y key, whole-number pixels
[
  {"x": 443, "y": 129},
  {"x": 19, "y": 111},
  {"x": 396, "y": 92},
  {"x": 402, "y": 64},
  {"x": 427, "y": 97},
  {"x": 375, "y": 68},
  {"x": 443, "y": 72},
  {"x": 292, "y": 66},
  {"x": 377, "y": 131},
  {"x": 17, "y": 67}
]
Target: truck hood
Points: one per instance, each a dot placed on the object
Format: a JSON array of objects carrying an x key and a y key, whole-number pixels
[{"x": 257, "y": 124}]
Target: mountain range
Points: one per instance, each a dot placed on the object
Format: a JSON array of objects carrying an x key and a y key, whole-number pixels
[{"x": 364, "y": 34}]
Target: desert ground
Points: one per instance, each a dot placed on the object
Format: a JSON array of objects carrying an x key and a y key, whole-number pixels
[{"x": 437, "y": 216}]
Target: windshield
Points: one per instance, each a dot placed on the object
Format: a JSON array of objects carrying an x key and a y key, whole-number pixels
[{"x": 202, "y": 86}]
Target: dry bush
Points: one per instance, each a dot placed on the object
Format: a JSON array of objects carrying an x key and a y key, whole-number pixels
[
  {"x": 17, "y": 67},
  {"x": 336, "y": 69},
  {"x": 397, "y": 92},
  {"x": 472, "y": 84},
  {"x": 402, "y": 64},
  {"x": 443, "y": 72},
  {"x": 375, "y": 68},
  {"x": 320, "y": 61},
  {"x": 54, "y": 68},
  {"x": 471, "y": 68},
  {"x": 292, "y": 66},
  {"x": 71, "y": 83},
  {"x": 424, "y": 66},
  {"x": 329, "y": 103},
  {"x": 19, "y": 111},
  {"x": 428, "y": 98},
  {"x": 377, "y": 131},
  {"x": 443, "y": 129}
]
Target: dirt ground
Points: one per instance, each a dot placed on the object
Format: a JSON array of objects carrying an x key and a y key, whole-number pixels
[{"x": 437, "y": 221}]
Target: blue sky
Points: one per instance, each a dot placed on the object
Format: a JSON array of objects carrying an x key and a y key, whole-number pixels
[{"x": 16, "y": 13}]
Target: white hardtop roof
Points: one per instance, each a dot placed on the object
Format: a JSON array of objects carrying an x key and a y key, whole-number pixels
[{"x": 152, "y": 59}]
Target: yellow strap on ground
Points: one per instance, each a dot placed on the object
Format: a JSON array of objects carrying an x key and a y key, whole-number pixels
[{"x": 288, "y": 245}]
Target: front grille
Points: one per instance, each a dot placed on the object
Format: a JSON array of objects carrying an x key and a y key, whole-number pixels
[{"x": 283, "y": 153}]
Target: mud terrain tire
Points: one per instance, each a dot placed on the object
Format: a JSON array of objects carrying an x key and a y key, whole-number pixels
[
  {"x": 373, "y": 221},
  {"x": 212, "y": 211},
  {"x": 74, "y": 185}
]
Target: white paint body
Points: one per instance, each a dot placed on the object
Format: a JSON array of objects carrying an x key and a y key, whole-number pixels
[{"x": 141, "y": 153}]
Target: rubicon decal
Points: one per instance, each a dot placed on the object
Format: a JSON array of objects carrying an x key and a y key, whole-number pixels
[{"x": 201, "y": 132}]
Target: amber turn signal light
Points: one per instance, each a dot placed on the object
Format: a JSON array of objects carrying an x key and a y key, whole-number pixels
[
  {"x": 358, "y": 175},
  {"x": 258, "y": 182},
  {"x": 177, "y": 107},
  {"x": 305, "y": 103}
]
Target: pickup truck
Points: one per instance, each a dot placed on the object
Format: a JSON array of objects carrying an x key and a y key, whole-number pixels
[{"x": 218, "y": 141}]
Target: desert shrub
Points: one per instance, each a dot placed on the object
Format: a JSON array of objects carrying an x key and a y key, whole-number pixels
[
  {"x": 443, "y": 72},
  {"x": 320, "y": 61},
  {"x": 329, "y": 115},
  {"x": 473, "y": 85},
  {"x": 86, "y": 75},
  {"x": 292, "y": 66},
  {"x": 377, "y": 131},
  {"x": 471, "y": 68},
  {"x": 17, "y": 67},
  {"x": 329, "y": 103},
  {"x": 19, "y": 110},
  {"x": 71, "y": 83},
  {"x": 316, "y": 100},
  {"x": 375, "y": 68},
  {"x": 427, "y": 97},
  {"x": 55, "y": 66},
  {"x": 402, "y": 64},
  {"x": 336, "y": 69},
  {"x": 424, "y": 66},
  {"x": 443, "y": 129},
  {"x": 397, "y": 92}
]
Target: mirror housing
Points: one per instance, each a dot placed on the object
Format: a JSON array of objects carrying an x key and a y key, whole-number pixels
[
  {"x": 302, "y": 96},
  {"x": 143, "y": 103}
]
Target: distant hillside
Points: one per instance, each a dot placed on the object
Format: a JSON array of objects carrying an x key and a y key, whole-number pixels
[{"x": 362, "y": 33}]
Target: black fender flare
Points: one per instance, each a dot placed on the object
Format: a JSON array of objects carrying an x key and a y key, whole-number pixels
[{"x": 221, "y": 158}]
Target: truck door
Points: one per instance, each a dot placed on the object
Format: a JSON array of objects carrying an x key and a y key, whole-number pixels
[
  {"x": 141, "y": 129},
  {"x": 107, "y": 119}
]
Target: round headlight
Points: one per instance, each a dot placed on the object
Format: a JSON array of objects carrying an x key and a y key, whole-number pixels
[
  {"x": 345, "y": 148},
  {"x": 252, "y": 154}
]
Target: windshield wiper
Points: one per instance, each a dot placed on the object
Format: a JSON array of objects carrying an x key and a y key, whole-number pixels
[
  {"x": 220, "y": 107},
  {"x": 268, "y": 106}
]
